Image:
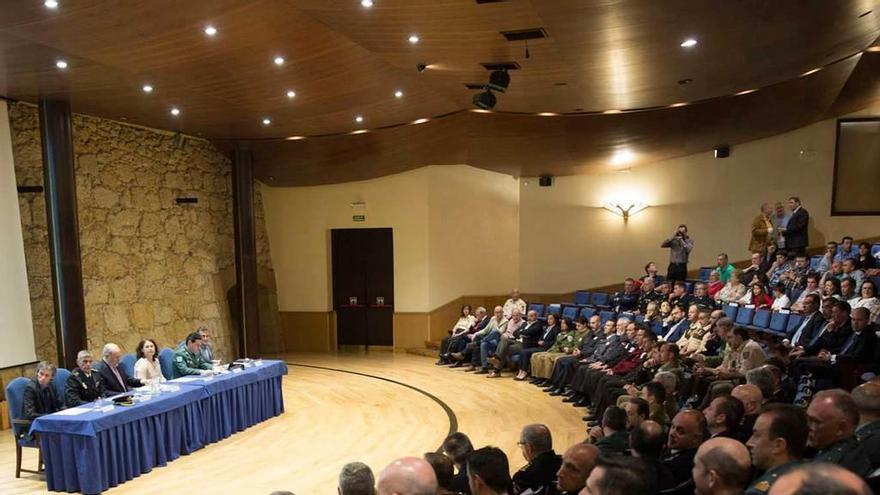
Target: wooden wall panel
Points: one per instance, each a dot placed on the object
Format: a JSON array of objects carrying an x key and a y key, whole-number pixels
[{"x": 308, "y": 331}]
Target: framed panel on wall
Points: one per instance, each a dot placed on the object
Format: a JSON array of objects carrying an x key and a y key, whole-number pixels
[{"x": 854, "y": 190}]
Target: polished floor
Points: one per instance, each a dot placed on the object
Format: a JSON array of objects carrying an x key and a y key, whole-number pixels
[{"x": 339, "y": 408}]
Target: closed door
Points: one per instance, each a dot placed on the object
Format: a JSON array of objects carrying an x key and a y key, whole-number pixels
[{"x": 363, "y": 285}]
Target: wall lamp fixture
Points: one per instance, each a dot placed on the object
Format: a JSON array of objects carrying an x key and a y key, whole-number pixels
[{"x": 625, "y": 208}]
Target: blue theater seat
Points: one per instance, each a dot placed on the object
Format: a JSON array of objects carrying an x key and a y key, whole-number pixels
[
  {"x": 704, "y": 273},
  {"x": 599, "y": 299},
  {"x": 570, "y": 312},
  {"x": 555, "y": 309},
  {"x": 762, "y": 318},
  {"x": 582, "y": 297},
  {"x": 537, "y": 308},
  {"x": 778, "y": 322},
  {"x": 744, "y": 316},
  {"x": 730, "y": 310},
  {"x": 587, "y": 312},
  {"x": 606, "y": 315},
  {"x": 794, "y": 321}
]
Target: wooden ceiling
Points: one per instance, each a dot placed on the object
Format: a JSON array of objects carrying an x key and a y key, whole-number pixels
[{"x": 345, "y": 60}]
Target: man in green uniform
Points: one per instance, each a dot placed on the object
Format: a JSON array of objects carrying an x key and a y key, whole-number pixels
[
  {"x": 867, "y": 398},
  {"x": 777, "y": 444},
  {"x": 188, "y": 360},
  {"x": 833, "y": 417},
  {"x": 83, "y": 385}
]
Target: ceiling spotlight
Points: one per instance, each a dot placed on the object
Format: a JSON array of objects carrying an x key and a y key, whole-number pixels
[
  {"x": 480, "y": 110},
  {"x": 421, "y": 67},
  {"x": 51, "y": 4},
  {"x": 210, "y": 30},
  {"x": 745, "y": 92},
  {"x": 413, "y": 38},
  {"x": 294, "y": 138},
  {"x": 359, "y": 131},
  {"x": 398, "y": 94},
  {"x": 367, "y": 3},
  {"x": 267, "y": 121},
  {"x": 811, "y": 71},
  {"x": 548, "y": 114},
  {"x": 608, "y": 112},
  {"x": 147, "y": 88},
  {"x": 291, "y": 94},
  {"x": 175, "y": 111},
  {"x": 679, "y": 104},
  {"x": 622, "y": 157},
  {"x": 499, "y": 80},
  {"x": 359, "y": 119},
  {"x": 419, "y": 121},
  {"x": 61, "y": 64},
  {"x": 279, "y": 60},
  {"x": 689, "y": 43},
  {"x": 485, "y": 100}
]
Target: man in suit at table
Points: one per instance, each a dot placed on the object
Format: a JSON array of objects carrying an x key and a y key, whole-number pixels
[
  {"x": 115, "y": 379},
  {"x": 795, "y": 232}
]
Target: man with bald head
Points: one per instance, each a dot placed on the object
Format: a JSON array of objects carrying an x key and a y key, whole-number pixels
[
  {"x": 722, "y": 466},
  {"x": 751, "y": 398},
  {"x": 867, "y": 399},
  {"x": 543, "y": 463},
  {"x": 685, "y": 435},
  {"x": 488, "y": 472},
  {"x": 820, "y": 479},
  {"x": 833, "y": 417},
  {"x": 407, "y": 476},
  {"x": 577, "y": 464}
]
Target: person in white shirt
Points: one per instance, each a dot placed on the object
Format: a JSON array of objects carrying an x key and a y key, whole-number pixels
[
  {"x": 868, "y": 300},
  {"x": 515, "y": 302},
  {"x": 147, "y": 368},
  {"x": 780, "y": 299}
]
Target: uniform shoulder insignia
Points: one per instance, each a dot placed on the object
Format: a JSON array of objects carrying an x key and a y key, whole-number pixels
[
  {"x": 762, "y": 486},
  {"x": 179, "y": 359}
]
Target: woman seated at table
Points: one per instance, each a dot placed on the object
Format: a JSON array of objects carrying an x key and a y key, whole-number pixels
[
  {"x": 147, "y": 368},
  {"x": 40, "y": 396}
]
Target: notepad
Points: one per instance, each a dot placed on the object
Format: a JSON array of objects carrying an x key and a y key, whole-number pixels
[
  {"x": 186, "y": 379},
  {"x": 73, "y": 411}
]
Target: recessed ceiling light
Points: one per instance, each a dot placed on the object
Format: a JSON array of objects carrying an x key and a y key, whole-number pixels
[
  {"x": 279, "y": 60},
  {"x": 359, "y": 131},
  {"x": 679, "y": 104},
  {"x": 51, "y": 4},
  {"x": 873, "y": 49},
  {"x": 746, "y": 91},
  {"x": 689, "y": 43},
  {"x": 398, "y": 94},
  {"x": 612, "y": 111},
  {"x": 367, "y": 3},
  {"x": 210, "y": 30},
  {"x": 548, "y": 114},
  {"x": 61, "y": 64},
  {"x": 147, "y": 88},
  {"x": 413, "y": 38},
  {"x": 267, "y": 121},
  {"x": 622, "y": 157},
  {"x": 175, "y": 111},
  {"x": 480, "y": 110},
  {"x": 419, "y": 121},
  {"x": 359, "y": 119},
  {"x": 291, "y": 94},
  {"x": 294, "y": 138},
  {"x": 811, "y": 71}
]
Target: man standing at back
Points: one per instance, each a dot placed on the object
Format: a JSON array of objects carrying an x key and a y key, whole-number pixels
[
  {"x": 780, "y": 221},
  {"x": 795, "y": 232},
  {"x": 515, "y": 302}
]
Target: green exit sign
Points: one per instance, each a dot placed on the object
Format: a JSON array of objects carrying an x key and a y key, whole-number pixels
[{"x": 359, "y": 218}]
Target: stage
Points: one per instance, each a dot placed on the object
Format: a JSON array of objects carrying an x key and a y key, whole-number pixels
[{"x": 347, "y": 407}]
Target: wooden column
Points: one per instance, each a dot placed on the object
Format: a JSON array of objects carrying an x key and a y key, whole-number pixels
[
  {"x": 59, "y": 176},
  {"x": 245, "y": 253}
]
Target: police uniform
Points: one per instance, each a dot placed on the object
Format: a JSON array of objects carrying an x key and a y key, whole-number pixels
[
  {"x": 82, "y": 388},
  {"x": 187, "y": 363},
  {"x": 869, "y": 439},
  {"x": 847, "y": 454},
  {"x": 762, "y": 485}
]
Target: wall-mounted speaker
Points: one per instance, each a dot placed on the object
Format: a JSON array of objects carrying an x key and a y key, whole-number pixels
[
  {"x": 722, "y": 151},
  {"x": 545, "y": 180}
]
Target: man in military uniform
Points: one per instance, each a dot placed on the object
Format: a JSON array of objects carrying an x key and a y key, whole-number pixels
[
  {"x": 721, "y": 467},
  {"x": 83, "y": 384},
  {"x": 833, "y": 417},
  {"x": 188, "y": 360},
  {"x": 777, "y": 444},
  {"x": 537, "y": 449},
  {"x": 867, "y": 399}
]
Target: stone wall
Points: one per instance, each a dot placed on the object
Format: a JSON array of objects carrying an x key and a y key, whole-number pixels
[{"x": 151, "y": 267}]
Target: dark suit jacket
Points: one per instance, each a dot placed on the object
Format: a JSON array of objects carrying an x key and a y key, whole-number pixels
[
  {"x": 480, "y": 324},
  {"x": 869, "y": 440},
  {"x": 796, "y": 230},
  {"x": 679, "y": 327},
  {"x": 531, "y": 333},
  {"x": 862, "y": 352},
  {"x": 111, "y": 384},
  {"x": 615, "y": 444},
  {"x": 831, "y": 341},
  {"x": 815, "y": 323},
  {"x": 540, "y": 473},
  {"x": 459, "y": 483},
  {"x": 550, "y": 339},
  {"x": 680, "y": 465},
  {"x": 37, "y": 402}
]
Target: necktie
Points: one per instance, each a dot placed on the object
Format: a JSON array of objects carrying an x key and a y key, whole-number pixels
[
  {"x": 118, "y": 377},
  {"x": 800, "y": 330},
  {"x": 851, "y": 341},
  {"x": 819, "y": 335}
]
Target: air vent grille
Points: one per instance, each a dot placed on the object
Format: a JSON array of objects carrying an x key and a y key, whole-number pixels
[
  {"x": 490, "y": 66},
  {"x": 525, "y": 34}
]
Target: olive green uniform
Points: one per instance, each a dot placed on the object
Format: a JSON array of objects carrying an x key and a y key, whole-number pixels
[
  {"x": 847, "y": 454},
  {"x": 187, "y": 363},
  {"x": 762, "y": 485}
]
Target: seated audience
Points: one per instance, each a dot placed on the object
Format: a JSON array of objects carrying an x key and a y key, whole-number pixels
[
  {"x": 114, "y": 377},
  {"x": 715, "y": 285},
  {"x": 577, "y": 464},
  {"x": 680, "y": 296},
  {"x": 84, "y": 384},
  {"x": 827, "y": 257},
  {"x": 751, "y": 398},
  {"x": 723, "y": 267},
  {"x": 147, "y": 368},
  {"x": 846, "y": 250},
  {"x": 811, "y": 324},
  {"x": 443, "y": 470},
  {"x": 530, "y": 346},
  {"x": 488, "y": 472},
  {"x": 628, "y": 299},
  {"x": 539, "y": 475},
  {"x": 732, "y": 292},
  {"x": 525, "y": 335},
  {"x": 777, "y": 444},
  {"x": 865, "y": 261},
  {"x": 757, "y": 297},
  {"x": 722, "y": 466},
  {"x": 780, "y": 266},
  {"x": 356, "y": 478},
  {"x": 820, "y": 479},
  {"x": 812, "y": 288},
  {"x": 795, "y": 276},
  {"x": 188, "y": 359},
  {"x": 756, "y": 267},
  {"x": 674, "y": 326},
  {"x": 514, "y": 302},
  {"x": 40, "y": 397},
  {"x": 647, "y": 442},
  {"x": 685, "y": 436},
  {"x": 408, "y": 476},
  {"x": 465, "y": 322},
  {"x": 619, "y": 475},
  {"x": 867, "y": 399},
  {"x": 868, "y": 299},
  {"x": 723, "y": 417},
  {"x": 832, "y": 418},
  {"x": 780, "y": 298},
  {"x": 458, "y": 447}
]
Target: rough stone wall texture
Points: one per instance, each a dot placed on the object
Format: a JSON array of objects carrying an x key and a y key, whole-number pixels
[{"x": 151, "y": 267}]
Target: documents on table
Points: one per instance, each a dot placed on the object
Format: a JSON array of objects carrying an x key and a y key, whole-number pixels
[{"x": 73, "y": 411}]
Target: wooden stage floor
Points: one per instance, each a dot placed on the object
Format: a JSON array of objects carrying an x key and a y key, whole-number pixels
[{"x": 347, "y": 407}]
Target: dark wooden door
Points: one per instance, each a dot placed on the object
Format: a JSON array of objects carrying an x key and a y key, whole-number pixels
[{"x": 363, "y": 285}]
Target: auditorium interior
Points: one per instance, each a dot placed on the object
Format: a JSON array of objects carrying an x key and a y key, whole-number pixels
[{"x": 427, "y": 247}]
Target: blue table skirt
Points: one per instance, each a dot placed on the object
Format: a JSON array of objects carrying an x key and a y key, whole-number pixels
[{"x": 96, "y": 451}]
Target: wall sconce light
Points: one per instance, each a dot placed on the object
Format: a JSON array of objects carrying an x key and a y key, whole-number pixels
[{"x": 625, "y": 208}]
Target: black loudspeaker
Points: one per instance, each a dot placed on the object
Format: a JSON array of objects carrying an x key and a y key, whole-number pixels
[
  {"x": 722, "y": 151},
  {"x": 545, "y": 181}
]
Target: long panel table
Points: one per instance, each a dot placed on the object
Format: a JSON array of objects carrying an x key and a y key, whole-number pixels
[{"x": 96, "y": 450}]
